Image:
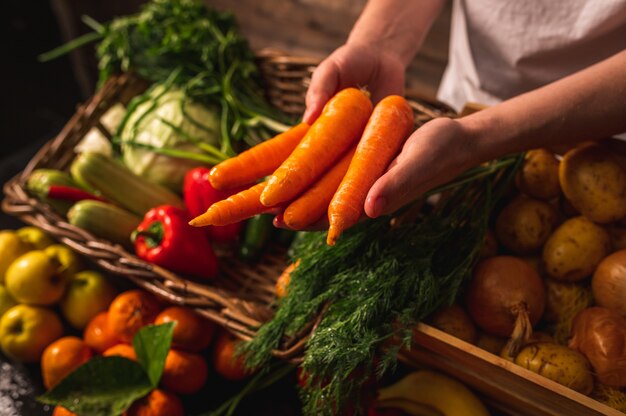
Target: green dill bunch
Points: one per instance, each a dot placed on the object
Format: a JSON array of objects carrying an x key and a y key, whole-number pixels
[{"x": 367, "y": 293}]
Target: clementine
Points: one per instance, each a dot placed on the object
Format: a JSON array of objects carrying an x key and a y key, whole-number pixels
[
  {"x": 130, "y": 311},
  {"x": 121, "y": 350},
  {"x": 225, "y": 362},
  {"x": 157, "y": 403},
  {"x": 61, "y": 358},
  {"x": 98, "y": 335},
  {"x": 62, "y": 411},
  {"x": 184, "y": 372},
  {"x": 192, "y": 332}
]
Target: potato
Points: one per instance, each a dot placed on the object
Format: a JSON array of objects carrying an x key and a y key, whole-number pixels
[
  {"x": 454, "y": 321},
  {"x": 525, "y": 224},
  {"x": 558, "y": 363},
  {"x": 564, "y": 300},
  {"x": 575, "y": 249},
  {"x": 490, "y": 343},
  {"x": 539, "y": 175},
  {"x": 594, "y": 181}
]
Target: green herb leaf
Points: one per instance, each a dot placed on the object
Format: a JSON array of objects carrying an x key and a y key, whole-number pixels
[
  {"x": 152, "y": 344},
  {"x": 103, "y": 386}
]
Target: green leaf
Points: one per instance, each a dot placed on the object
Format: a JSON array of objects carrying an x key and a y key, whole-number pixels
[
  {"x": 103, "y": 386},
  {"x": 151, "y": 344}
]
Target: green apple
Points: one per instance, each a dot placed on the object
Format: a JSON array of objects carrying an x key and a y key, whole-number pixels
[
  {"x": 6, "y": 300},
  {"x": 36, "y": 278},
  {"x": 34, "y": 237},
  {"x": 25, "y": 331},
  {"x": 11, "y": 247},
  {"x": 69, "y": 260},
  {"x": 88, "y": 294}
]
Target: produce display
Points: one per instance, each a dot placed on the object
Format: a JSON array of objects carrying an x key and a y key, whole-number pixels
[
  {"x": 524, "y": 256},
  {"x": 552, "y": 291}
]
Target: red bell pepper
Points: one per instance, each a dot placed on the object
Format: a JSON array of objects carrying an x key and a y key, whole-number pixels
[
  {"x": 199, "y": 195},
  {"x": 165, "y": 239}
]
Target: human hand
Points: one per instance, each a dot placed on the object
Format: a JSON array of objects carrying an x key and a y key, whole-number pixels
[
  {"x": 354, "y": 65},
  {"x": 433, "y": 155}
]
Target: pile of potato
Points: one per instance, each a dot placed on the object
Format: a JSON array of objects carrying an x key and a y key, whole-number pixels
[{"x": 566, "y": 217}]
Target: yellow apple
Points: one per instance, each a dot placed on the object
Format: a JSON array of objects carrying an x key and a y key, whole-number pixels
[
  {"x": 11, "y": 247},
  {"x": 88, "y": 294},
  {"x": 6, "y": 301},
  {"x": 36, "y": 278},
  {"x": 25, "y": 331},
  {"x": 34, "y": 237},
  {"x": 69, "y": 260}
]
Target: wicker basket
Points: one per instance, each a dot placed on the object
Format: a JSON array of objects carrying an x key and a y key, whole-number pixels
[{"x": 242, "y": 297}]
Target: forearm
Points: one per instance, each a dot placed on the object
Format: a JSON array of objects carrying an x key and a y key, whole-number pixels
[
  {"x": 396, "y": 26},
  {"x": 588, "y": 105}
]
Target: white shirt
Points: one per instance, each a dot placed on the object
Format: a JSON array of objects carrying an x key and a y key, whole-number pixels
[{"x": 502, "y": 48}]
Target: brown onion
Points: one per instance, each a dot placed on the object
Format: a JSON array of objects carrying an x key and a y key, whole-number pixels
[
  {"x": 506, "y": 297},
  {"x": 600, "y": 334},
  {"x": 609, "y": 282}
]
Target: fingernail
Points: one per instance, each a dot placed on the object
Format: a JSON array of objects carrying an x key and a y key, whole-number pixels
[{"x": 379, "y": 205}]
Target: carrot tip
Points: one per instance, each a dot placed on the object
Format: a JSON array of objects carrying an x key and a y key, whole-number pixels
[
  {"x": 199, "y": 221},
  {"x": 333, "y": 235}
]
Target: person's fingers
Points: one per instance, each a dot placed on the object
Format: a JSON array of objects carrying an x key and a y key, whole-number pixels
[
  {"x": 409, "y": 175},
  {"x": 321, "y": 225},
  {"x": 324, "y": 84},
  {"x": 278, "y": 222},
  {"x": 392, "y": 190}
]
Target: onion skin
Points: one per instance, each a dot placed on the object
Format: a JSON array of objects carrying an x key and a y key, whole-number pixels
[
  {"x": 499, "y": 287},
  {"x": 600, "y": 334},
  {"x": 609, "y": 283}
]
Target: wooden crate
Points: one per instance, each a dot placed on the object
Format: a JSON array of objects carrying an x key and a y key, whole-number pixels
[{"x": 506, "y": 386}]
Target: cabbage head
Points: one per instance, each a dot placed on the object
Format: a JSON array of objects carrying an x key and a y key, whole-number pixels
[{"x": 166, "y": 133}]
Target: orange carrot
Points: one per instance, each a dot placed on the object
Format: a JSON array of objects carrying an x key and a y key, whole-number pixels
[
  {"x": 387, "y": 129},
  {"x": 258, "y": 161},
  {"x": 235, "y": 208},
  {"x": 335, "y": 130},
  {"x": 312, "y": 205}
]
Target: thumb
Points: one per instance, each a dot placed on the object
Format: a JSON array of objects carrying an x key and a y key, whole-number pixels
[
  {"x": 397, "y": 187},
  {"x": 324, "y": 84}
]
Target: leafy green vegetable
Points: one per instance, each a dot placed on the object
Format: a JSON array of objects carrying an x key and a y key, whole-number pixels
[
  {"x": 107, "y": 386},
  {"x": 374, "y": 285},
  {"x": 213, "y": 62},
  {"x": 165, "y": 134},
  {"x": 151, "y": 344},
  {"x": 103, "y": 386}
]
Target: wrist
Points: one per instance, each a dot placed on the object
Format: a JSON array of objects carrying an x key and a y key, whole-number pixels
[{"x": 483, "y": 130}]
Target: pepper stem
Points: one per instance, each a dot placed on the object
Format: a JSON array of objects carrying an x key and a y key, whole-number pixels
[{"x": 152, "y": 234}]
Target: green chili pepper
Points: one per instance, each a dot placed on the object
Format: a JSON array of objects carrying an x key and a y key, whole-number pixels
[{"x": 257, "y": 234}]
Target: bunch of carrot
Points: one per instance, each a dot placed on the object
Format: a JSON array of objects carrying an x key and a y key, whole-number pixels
[{"x": 315, "y": 172}]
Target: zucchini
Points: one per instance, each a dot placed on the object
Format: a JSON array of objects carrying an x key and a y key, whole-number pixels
[
  {"x": 117, "y": 183},
  {"x": 104, "y": 220},
  {"x": 40, "y": 180}
]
